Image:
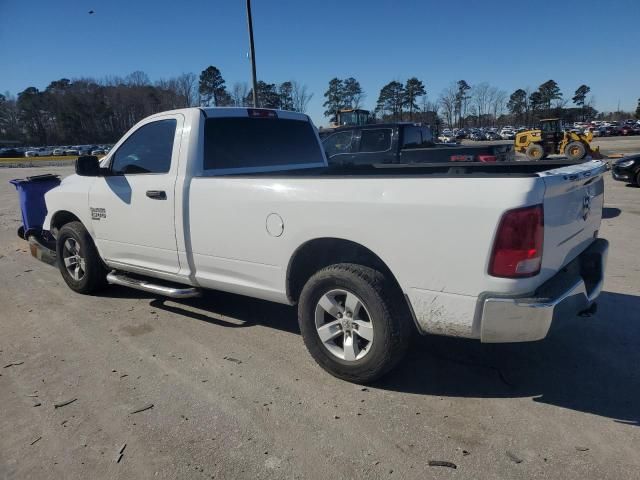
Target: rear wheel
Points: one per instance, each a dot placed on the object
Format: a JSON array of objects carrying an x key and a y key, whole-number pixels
[
  {"x": 575, "y": 151},
  {"x": 535, "y": 152},
  {"x": 353, "y": 322},
  {"x": 78, "y": 260}
]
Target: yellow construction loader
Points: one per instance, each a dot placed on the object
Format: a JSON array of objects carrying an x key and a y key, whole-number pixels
[{"x": 550, "y": 139}]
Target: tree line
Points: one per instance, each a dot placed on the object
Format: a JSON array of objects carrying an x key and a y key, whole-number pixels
[
  {"x": 464, "y": 105},
  {"x": 87, "y": 110}
]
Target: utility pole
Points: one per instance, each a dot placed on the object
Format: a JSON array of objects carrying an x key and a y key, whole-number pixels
[{"x": 252, "y": 52}]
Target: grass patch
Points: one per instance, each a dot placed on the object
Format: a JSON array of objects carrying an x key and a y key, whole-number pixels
[
  {"x": 51, "y": 158},
  {"x": 39, "y": 159}
]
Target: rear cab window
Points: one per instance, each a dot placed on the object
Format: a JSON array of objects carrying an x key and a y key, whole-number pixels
[
  {"x": 417, "y": 137},
  {"x": 251, "y": 145},
  {"x": 375, "y": 140}
]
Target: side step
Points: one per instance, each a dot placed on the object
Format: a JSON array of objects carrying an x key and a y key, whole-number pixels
[{"x": 167, "y": 291}]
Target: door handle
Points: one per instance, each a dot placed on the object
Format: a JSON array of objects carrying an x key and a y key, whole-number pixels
[{"x": 157, "y": 194}]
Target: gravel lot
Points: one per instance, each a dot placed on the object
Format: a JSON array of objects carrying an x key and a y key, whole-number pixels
[{"x": 235, "y": 394}]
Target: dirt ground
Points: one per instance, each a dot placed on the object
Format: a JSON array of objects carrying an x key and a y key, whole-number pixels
[{"x": 236, "y": 396}]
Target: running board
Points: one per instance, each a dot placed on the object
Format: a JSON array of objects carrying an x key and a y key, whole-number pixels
[{"x": 173, "y": 292}]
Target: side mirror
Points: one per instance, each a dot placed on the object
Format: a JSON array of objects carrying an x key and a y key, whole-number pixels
[{"x": 88, "y": 166}]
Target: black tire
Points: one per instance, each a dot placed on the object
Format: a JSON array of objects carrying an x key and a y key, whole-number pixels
[
  {"x": 386, "y": 310},
  {"x": 638, "y": 178},
  {"x": 94, "y": 273},
  {"x": 535, "y": 152},
  {"x": 575, "y": 151}
]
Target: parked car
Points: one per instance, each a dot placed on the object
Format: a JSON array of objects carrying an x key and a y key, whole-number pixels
[
  {"x": 72, "y": 151},
  {"x": 462, "y": 134},
  {"x": 39, "y": 152},
  {"x": 627, "y": 129},
  {"x": 627, "y": 170},
  {"x": 402, "y": 143},
  {"x": 507, "y": 134},
  {"x": 98, "y": 151},
  {"x": 59, "y": 151},
  {"x": 10, "y": 153},
  {"x": 446, "y": 138},
  {"x": 85, "y": 149},
  {"x": 491, "y": 135},
  {"x": 255, "y": 208},
  {"x": 477, "y": 136}
]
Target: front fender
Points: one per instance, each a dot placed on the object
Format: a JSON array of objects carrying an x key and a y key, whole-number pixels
[{"x": 72, "y": 197}]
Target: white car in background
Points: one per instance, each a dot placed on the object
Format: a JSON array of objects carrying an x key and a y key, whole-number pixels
[
  {"x": 447, "y": 137},
  {"x": 507, "y": 134},
  {"x": 59, "y": 151},
  {"x": 38, "y": 152}
]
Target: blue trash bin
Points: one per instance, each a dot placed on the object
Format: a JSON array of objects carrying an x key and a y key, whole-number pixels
[{"x": 31, "y": 191}]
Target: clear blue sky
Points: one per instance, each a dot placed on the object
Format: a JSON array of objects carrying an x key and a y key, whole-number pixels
[{"x": 375, "y": 41}]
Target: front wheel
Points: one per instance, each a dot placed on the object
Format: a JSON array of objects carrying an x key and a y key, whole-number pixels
[
  {"x": 535, "y": 152},
  {"x": 78, "y": 259},
  {"x": 575, "y": 151},
  {"x": 353, "y": 322}
]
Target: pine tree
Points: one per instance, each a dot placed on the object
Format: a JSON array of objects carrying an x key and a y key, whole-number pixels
[
  {"x": 212, "y": 88},
  {"x": 413, "y": 90},
  {"x": 334, "y": 99}
]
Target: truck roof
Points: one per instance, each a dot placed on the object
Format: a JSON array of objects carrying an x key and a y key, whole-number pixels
[
  {"x": 238, "y": 112},
  {"x": 245, "y": 112}
]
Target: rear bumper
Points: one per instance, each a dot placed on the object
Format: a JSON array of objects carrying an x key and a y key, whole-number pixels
[{"x": 528, "y": 318}]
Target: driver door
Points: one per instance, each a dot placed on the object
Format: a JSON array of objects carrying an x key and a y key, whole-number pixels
[{"x": 133, "y": 206}]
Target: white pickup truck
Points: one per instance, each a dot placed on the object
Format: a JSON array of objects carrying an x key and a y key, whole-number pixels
[{"x": 242, "y": 200}]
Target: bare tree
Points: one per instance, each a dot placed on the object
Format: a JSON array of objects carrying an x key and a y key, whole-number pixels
[
  {"x": 301, "y": 97},
  {"x": 239, "y": 93},
  {"x": 447, "y": 102},
  {"x": 481, "y": 100},
  {"x": 187, "y": 88},
  {"x": 499, "y": 101},
  {"x": 137, "y": 79}
]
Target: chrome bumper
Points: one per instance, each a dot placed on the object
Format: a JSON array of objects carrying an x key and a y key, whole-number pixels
[{"x": 570, "y": 291}]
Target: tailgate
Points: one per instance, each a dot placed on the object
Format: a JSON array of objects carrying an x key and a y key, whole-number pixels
[{"x": 573, "y": 200}]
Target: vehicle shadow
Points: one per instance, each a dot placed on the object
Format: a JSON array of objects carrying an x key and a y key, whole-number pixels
[
  {"x": 232, "y": 311},
  {"x": 218, "y": 308},
  {"x": 610, "y": 212},
  {"x": 586, "y": 364}
]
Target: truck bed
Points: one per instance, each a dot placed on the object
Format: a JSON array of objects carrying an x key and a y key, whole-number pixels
[{"x": 444, "y": 169}]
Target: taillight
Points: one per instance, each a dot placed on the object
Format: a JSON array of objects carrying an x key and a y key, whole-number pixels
[
  {"x": 487, "y": 158},
  {"x": 261, "y": 113},
  {"x": 517, "y": 249}
]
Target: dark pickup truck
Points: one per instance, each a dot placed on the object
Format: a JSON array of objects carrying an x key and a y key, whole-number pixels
[{"x": 403, "y": 143}]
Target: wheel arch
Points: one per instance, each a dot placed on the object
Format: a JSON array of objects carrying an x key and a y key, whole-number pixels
[
  {"x": 315, "y": 254},
  {"x": 60, "y": 218}
]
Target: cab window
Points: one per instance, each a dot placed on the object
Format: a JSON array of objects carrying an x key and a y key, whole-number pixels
[
  {"x": 412, "y": 137},
  {"x": 337, "y": 143},
  {"x": 375, "y": 140},
  {"x": 147, "y": 150}
]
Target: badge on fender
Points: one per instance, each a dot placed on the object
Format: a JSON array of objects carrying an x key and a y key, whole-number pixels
[{"x": 98, "y": 213}]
